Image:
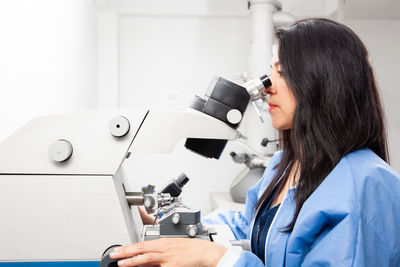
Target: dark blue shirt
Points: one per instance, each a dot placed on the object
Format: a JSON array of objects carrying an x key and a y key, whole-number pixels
[{"x": 261, "y": 226}]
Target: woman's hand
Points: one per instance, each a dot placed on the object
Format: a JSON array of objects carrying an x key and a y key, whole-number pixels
[
  {"x": 170, "y": 252},
  {"x": 146, "y": 218}
]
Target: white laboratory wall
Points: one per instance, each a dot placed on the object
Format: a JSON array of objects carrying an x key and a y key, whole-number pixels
[
  {"x": 48, "y": 59},
  {"x": 382, "y": 38},
  {"x": 167, "y": 60}
]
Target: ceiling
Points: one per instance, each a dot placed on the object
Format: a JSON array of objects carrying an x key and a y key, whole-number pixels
[
  {"x": 372, "y": 9},
  {"x": 353, "y": 9}
]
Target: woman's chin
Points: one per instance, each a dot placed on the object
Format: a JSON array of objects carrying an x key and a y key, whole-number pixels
[{"x": 280, "y": 127}]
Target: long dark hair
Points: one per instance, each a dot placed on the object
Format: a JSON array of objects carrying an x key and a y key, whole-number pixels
[{"x": 338, "y": 111}]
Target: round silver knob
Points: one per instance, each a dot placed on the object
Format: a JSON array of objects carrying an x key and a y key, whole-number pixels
[
  {"x": 191, "y": 230},
  {"x": 175, "y": 218},
  {"x": 60, "y": 151},
  {"x": 119, "y": 126},
  {"x": 234, "y": 116},
  {"x": 148, "y": 202}
]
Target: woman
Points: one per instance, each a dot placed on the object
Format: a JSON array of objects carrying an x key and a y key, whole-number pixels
[{"x": 328, "y": 198}]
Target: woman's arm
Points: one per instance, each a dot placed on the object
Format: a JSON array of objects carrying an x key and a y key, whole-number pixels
[{"x": 238, "y": 222}]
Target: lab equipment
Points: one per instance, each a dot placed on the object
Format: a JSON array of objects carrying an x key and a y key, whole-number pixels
[
  {"x": 254, "y": 168},
  {"x": 62, "y": 185},
  {"x": 176, "y": 219},
  {"x": 62, "y": 182},
  {"x": 174, "y": 187},
  {"x": 226, "y": 101},
  {"x": 256, "y": 87}
]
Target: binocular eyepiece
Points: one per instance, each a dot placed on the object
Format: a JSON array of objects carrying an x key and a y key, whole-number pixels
[{"x": 256, "y": 86}]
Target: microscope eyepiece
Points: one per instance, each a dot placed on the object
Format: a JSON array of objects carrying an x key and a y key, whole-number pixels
[
  {"x": 256, "y": 86},
  {"x": 265, "y": 81}
]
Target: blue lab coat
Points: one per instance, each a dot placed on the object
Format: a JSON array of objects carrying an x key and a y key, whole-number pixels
[{"x": 351, "y": 219}]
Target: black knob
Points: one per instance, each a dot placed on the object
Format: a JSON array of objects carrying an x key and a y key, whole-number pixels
[
  {"x": 174, "y": 187},
  {"x": 106, "y": 261},
  {"x": 264, "y": 142},
  {"x": 182, "y": 180}
]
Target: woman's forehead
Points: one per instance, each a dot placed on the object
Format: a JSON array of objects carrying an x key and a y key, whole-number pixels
[{"x": 274, "y": 59}]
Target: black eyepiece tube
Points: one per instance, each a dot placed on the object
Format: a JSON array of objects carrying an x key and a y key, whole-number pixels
[{"x": 266, "y": 81}]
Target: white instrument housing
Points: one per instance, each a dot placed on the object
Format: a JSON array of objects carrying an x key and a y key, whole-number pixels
[{"x": 67, "y": 203}]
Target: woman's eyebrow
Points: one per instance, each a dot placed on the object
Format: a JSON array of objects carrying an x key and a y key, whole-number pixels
[{"x": 276, "y": 64}]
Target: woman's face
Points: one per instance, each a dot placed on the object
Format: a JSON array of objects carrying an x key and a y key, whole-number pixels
[{"x": 282, "y": 103}]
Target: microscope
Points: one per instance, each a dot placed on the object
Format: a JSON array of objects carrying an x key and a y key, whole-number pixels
[{"x": 62, "y": 184}]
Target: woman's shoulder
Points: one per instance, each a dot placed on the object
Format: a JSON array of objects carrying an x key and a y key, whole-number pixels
[
  {"x": 364, "y": 165},
  {"x": 356, "y": 204},
  {"x": 358, "y": 176},
  {"x": 361, "y": 177}
]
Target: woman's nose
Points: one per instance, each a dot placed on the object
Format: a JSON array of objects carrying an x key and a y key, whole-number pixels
[{"x": 270, "y": 90}]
